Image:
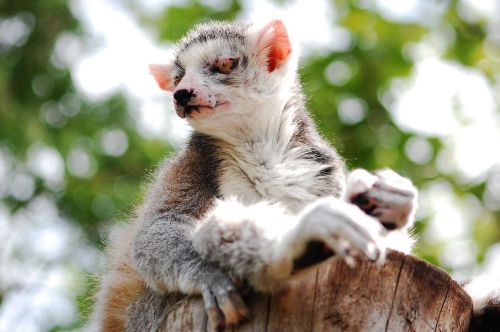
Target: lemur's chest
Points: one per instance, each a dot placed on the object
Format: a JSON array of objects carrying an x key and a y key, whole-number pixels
[{"x": 264, "y": 172}]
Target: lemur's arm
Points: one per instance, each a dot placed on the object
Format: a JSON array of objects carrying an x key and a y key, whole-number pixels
[
  {"x": 190, "y": 241},
  {"x": 165, "y": 257},
  {"x": 260, "y": 243},
  {"x": 178, "y": 248},
  {"x": 163, "y": 254}
]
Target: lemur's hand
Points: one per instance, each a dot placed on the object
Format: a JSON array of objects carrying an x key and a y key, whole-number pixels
[
  {"x": 344, "y": 228},
  {"x": 223, "y": 304},
  {"x": 385, "y": 195}
]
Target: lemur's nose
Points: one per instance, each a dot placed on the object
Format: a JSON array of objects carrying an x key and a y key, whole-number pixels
[{"x": 183, "y": 96}]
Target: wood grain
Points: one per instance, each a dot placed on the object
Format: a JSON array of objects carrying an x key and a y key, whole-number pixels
[{"x": 406, "y": 294}]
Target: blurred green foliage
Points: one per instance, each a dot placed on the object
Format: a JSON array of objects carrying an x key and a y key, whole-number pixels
[
  {"x": 57, "y": 116},
  {"x": 177, "y": 20},
  {"x": 60, "y": 118}
]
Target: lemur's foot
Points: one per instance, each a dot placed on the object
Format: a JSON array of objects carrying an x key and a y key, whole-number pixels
[
  {"x": 345, "y": 229},
  {"x": 385, "y": 195},
  {"x": 223, "y": 304}
]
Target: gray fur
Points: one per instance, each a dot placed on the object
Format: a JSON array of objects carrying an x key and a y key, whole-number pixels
[
  {"x": 149, "y": 310},
  {"x": 226, "y": 31}
]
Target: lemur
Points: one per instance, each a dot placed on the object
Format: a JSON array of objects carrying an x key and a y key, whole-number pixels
[{"x": 253, "y": 190}]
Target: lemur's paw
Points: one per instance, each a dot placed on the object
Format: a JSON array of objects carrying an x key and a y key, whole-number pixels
[
  {"x": 346, "y": 230},
  {"x": 223, "y": 304},
  {"x": 385, "y": 195}
]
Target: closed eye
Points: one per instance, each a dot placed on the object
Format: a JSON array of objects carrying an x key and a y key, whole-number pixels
[
  {"x": 178, "y": 77},
  {"x": 180, "y": 72},
  {"x": 225, "y": 65}
]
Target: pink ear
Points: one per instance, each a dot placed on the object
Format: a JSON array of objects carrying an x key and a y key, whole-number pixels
[
  {"x": 162, "y": 76},
  {"x": 273, "y": 43}
]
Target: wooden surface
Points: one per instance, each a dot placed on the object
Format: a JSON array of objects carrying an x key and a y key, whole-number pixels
[{"x": 406, "y": 294}]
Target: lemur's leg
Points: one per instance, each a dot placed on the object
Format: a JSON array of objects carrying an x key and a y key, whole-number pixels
[
  {"x": 259, "y": 243},
  {"x": 385, "y": 195}
]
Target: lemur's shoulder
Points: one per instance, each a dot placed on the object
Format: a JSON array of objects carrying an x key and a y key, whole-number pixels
[
  {"x": 186, "y": 182},
  {"x": 318, "y": 149}
]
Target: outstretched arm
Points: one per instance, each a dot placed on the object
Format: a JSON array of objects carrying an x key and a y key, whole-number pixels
[{"x": 261, "y": 242}]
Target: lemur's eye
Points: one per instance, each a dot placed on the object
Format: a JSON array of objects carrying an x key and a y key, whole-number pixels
[
  {"x": 177, "y": 79},
  {"x": 225, "y": 65}
]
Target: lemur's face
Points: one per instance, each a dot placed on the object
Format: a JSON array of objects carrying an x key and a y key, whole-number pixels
[
  {"x": 223, "y": 70},
  {"x": 210, "y": 77}
]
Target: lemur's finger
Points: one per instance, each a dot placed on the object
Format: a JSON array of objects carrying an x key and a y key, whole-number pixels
[
  {"x": 215, "y": 320},
  {"x": 338, "y": 245},
  {"x": 359, "y": 181},
  {"x": 364, "y": 236},
  {"x": 228, "y": 301},
  {"x": 391, "y": 181},
  {"x": 354, "y": 224},
  {"x": 394, "y": 191},
  {"x": 379, "y": 253},
  {"x": 346, "y": 248},
  {"x": 391, "y": 218},
  {"x": 233, "y": 308},
  {"x": 215, "y": 315},
  {"x": 360, "y": 237},
  {"x": 386, "y": 198},
  {"x": 346, "y": 229},
  {"x": 341, "y": 249},
  {"x": 389, "y": 175},
  {"x": 240, "y": 305}
]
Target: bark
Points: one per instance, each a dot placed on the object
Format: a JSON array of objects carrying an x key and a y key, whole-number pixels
[{"x": 406, "y": 294}]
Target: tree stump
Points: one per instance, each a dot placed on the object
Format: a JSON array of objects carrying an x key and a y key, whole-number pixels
[{"x": 406, "y": 294}]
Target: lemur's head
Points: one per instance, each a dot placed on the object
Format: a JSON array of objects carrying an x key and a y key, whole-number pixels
[{"x": 223, "y": 71}]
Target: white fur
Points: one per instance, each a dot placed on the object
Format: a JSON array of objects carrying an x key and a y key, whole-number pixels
[
  {"x": 483, "y": 289},
  {"x": 341, "y": 226},
  {"x": 259, "y": 161},
  {"x": 269, "y": 168},
  {"x": 260, "y": 99},
  {"x": 359, "y": 181},
  {"x": 243, "y": 239},
  {"x": 399, "y": 240},
  {"x": 270, "y": 208},
  {"x": 260, "y": 242},
  {"x": 261, "y": 167}
]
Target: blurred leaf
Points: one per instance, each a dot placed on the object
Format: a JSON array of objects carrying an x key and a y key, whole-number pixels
[{"x": 177, "y": 20}]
